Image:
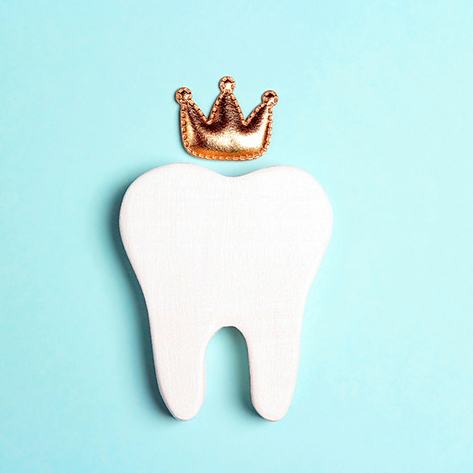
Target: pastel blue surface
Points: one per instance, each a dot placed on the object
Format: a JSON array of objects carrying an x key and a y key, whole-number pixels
[{"x": 375, "y": 101}]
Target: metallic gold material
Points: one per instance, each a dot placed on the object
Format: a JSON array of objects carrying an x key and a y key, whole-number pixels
[{"x": 226, "y": 135}]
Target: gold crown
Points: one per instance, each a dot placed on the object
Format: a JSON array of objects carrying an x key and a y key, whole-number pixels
[{"x": 226, "y": 134}]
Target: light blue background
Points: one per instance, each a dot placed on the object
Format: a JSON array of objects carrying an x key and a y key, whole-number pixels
[{"x": 375, "y": 101}]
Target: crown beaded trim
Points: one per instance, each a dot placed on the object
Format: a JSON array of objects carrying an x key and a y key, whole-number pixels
[{"x": 226, "y": 134}]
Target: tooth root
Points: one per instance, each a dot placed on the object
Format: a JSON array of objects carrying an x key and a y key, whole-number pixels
[
  {"x": 273, "y": 353},
  {"x": 179, "y": 354}
]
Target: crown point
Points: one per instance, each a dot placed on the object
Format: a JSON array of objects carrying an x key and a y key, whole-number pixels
[
  {"x": 183, "y": 95},
  {"x": 227, "y": 84},
  {"x": 270, "y": 97}
]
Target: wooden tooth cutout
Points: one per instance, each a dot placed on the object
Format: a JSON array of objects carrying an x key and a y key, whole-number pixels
[{"x": 211, "y": 251}]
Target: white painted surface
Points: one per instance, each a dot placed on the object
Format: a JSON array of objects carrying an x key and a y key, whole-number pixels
[{"x": 211, "y": 251}]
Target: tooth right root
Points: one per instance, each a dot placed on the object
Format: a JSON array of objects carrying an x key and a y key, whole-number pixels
[{"x": 274, "y": 362}]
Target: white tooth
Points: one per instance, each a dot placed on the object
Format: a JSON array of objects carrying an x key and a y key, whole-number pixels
[{"x": 211, "y": 251}]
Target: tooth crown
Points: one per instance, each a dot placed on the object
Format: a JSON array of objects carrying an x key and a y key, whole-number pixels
[
  {"x": 211, "y": 251},
  {"x": 226, "y": 134}
]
